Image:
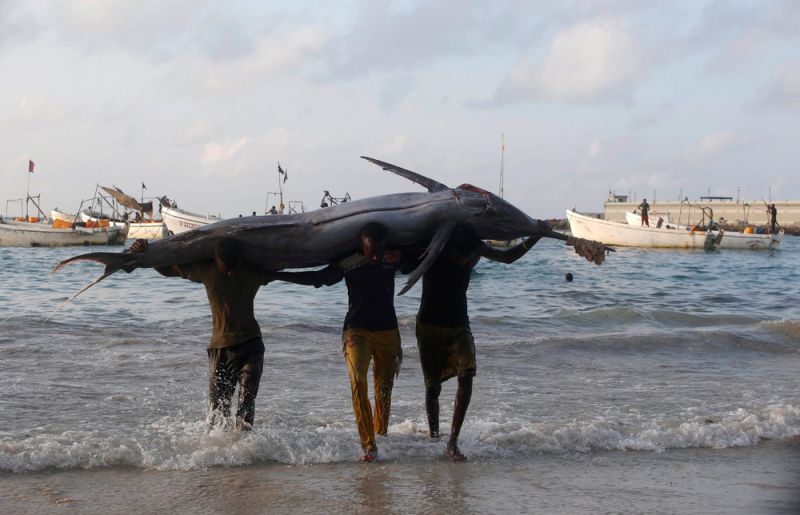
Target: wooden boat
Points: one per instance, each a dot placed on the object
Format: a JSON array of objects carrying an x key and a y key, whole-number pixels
[
  {"x": 55, "y": 214},
  {"x": 15, "y": 233},
  {"x": 145, "y": 229},
  {"x": 669, "y": 235},
  {"x": 125, "y": 211},
  {"x": 179, "y": 220}
]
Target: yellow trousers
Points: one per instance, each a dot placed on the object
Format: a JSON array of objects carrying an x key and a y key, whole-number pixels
[{"x": 359, "y": 347}]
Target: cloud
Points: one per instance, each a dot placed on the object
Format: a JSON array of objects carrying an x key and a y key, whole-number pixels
[
  {"x": 785, "y": 88},
  {"x": 404, "y": 36},
  {"x": 709, "y": 146},
  {"x": 215, "y": 152},
  {"x": 593, "y": 61},
  {"x": 594, "y": 149}
]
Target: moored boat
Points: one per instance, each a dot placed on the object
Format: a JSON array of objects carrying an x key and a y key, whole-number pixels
[
  {"x": 26, "y": 234},
  {"x": 146, "y": 229},
  {"x": 669, "y": 235},
  {"x": 55, "y": 214},
  {"x": 179, "y": 220}
]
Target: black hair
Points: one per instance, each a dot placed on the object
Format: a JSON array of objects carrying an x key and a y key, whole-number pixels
[
  {"x": 229, "y": 251},
  {"x": 374, "y": 231},
  {"x": 463, "y": 240}
]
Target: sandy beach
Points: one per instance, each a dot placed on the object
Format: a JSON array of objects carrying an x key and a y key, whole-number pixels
[{"x": 748, "y": 480}]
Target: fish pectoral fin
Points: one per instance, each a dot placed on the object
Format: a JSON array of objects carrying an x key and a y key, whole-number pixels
[
  {"x": 426, "y": 182},
  {"x": 435, "y": 248}
]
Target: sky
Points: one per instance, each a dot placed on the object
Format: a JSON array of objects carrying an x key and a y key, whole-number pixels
[{"x": 200, "y": 100}]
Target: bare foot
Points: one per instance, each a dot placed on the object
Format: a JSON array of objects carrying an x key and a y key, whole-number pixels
[
  {"x": 454, "y": 453},
  {"x": 369, "y": 457}
]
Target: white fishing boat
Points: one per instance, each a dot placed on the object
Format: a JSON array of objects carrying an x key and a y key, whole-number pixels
[
  {"x": 145, "y": 229},
  {"x": 69, "y": 218},
  {"x": 14, "y": 233},
  {"x": 669, "y": 235},
  {"x": 125, "y": 211},
  {"x": 179, "y": 220}
]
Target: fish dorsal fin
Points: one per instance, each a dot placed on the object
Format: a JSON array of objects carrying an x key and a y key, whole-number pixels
[
  {"x": 435, "y": 248},
  {"x": 423, "y": 181}
]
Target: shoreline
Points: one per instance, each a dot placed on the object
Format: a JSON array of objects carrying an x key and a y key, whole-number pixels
[{"x": 755, "y": 479}]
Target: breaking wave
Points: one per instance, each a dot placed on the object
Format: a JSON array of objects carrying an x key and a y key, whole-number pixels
[{"x": 171, "y": 444}]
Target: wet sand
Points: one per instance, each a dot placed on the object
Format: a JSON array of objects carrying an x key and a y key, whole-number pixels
[{"x": 751, "y": 480}]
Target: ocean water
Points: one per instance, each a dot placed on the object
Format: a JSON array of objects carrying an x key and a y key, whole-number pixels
[{"x": 655, "y": 351}]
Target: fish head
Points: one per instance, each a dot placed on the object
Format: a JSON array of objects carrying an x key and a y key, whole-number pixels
[{"x": 492, "y": 217}]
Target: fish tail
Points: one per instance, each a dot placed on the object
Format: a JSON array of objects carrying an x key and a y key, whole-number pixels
[{"x": 114, "y": 261}]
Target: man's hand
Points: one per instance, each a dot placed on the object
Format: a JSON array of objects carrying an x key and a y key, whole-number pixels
[
  {"x": 138, "y": 246},
  {"x": 591, "y": 250}
]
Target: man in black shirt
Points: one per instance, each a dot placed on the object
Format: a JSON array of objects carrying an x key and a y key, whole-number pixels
[
  {"x": 444, "y": 339},
  {"x": 370, "y": 327}
]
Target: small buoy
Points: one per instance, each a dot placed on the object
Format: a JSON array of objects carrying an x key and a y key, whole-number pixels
[{"x": 748, "y": 229}]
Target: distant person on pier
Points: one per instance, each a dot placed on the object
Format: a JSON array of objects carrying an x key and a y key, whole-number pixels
[{"x": 645, "y": 209}]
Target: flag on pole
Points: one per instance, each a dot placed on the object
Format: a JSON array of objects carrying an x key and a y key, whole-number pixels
[
  {"x": 281, "y": 171},
  {"x": 30, "y": 166},
  {"x": 143, "y": 186}
]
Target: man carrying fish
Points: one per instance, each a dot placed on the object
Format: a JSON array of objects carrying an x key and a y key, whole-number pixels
[
  {"x": 370, "y": 327},
  {"x": 236, "y": 350},
  {"x": 444, "y": 338}
]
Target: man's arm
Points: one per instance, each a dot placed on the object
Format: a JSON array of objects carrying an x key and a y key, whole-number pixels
[
  {"x": 510, "y": 255},
  {"x": 328, "y": 276}
]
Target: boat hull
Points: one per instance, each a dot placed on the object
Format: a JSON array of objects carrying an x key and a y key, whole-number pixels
[
  {"x": 625, "y": 235},
  {"x": 64, "y": 217},
  {"x": 178, "y": 220},
  {"x": 154, "y": 230},
  {"x": 22, "y": 234}
]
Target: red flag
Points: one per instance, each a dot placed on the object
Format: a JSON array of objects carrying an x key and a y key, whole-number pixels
[{"x": 30, "y": 166}]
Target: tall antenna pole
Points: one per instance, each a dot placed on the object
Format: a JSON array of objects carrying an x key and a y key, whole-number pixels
[{"x": 502, "y": 159}]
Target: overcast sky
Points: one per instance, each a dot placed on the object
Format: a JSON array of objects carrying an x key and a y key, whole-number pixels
[{"x": 200, "y": 100}]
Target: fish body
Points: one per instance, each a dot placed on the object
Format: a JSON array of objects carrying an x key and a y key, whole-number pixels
[{"x": 276, "y": 242}]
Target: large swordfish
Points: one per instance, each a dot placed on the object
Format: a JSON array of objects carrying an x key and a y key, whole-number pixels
[{"x": 317, "y": 237}]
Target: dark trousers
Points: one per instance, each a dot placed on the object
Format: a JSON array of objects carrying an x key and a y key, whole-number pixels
[{"x": 241, "y": 363}]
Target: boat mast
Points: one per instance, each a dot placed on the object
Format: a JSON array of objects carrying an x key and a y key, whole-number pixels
[
  {"x": 28, "y": 191},
  {"x": 502, "y": 158}
]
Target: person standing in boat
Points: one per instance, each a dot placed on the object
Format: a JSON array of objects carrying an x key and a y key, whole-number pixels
[
  {"x": 444, "y": 339},
  {"x": 370, "y": 331},
  {"x": 644, "y": 207},
  {"x": 236, "y": 350},
  {"x": 772, "y": 213}
]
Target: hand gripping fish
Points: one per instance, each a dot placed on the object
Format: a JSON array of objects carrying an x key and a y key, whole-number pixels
[{"x": 276, "y": 242}]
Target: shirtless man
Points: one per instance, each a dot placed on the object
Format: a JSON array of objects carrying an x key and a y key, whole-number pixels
[
  {"x": 236, "y": 350},
  {"x": 444, "y": 339},
  {"x": 370, "y": 330}
]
